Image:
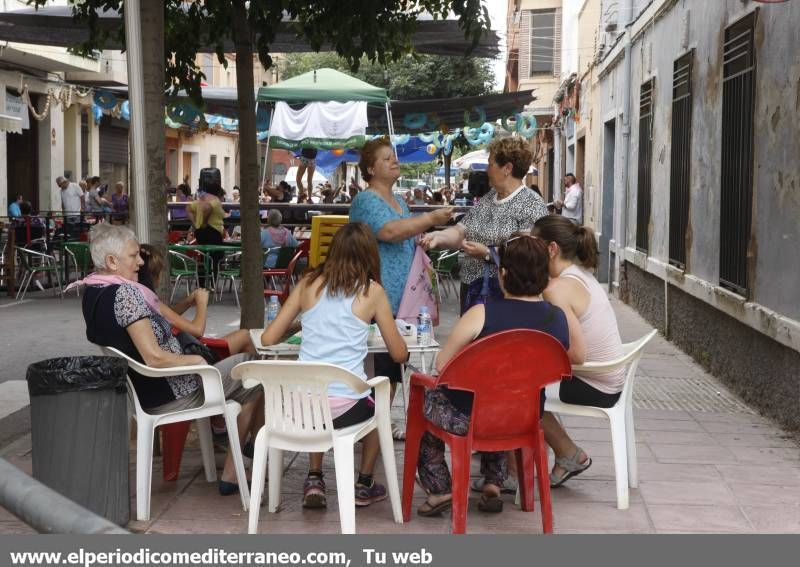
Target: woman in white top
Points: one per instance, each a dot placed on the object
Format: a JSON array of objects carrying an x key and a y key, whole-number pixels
[
  {"x": 594, "y": 335},
  {"x": 336, "y": 304},
  {"x": 508, "y": 207}
]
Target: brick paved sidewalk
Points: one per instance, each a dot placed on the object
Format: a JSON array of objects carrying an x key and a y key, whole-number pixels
[{"x": 707, "y": 463}]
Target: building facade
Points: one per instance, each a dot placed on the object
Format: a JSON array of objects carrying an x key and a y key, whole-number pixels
[
  {"x": 54, "y": 133},
  {"x": 533, "y": 61},
  {"x": 692, "y": 143}
]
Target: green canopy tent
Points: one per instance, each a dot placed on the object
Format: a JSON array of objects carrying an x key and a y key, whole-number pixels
[{"x": 322, "y": 85}]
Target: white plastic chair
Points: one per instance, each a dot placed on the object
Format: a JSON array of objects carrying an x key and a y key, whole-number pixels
[
  {"x": 620, "y": 417},
  {"x": 214, "y": 404},
  {"x": 298, "y": 418}
]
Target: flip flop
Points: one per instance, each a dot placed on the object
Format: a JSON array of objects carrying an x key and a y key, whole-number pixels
[
  {"x": 490, "y": 504},
  {"x": 428, "y": 510},
  {"x": 571, "y": 468}
]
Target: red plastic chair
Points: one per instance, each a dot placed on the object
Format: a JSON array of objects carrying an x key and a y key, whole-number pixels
[
  {"x": 175, "y": 236},
  {"x": 506, "y": 373},
  {"x": 173, "y": 436},
  {"x": 286, "y": 274}
]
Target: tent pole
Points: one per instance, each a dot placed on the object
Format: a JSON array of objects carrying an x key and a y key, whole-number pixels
[
  {"x": 259, "y": 165},
  {"x": 266, "y": 153},
  {"x": 391, "y": 126}
]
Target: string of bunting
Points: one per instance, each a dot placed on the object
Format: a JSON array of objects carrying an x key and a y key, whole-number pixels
[
  {"x": 476, "y": 131},
  {"x": 66, "y": 96}
]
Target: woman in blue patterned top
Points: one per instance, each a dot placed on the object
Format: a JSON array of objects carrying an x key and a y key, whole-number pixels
[{"x": 390, "y": 220}]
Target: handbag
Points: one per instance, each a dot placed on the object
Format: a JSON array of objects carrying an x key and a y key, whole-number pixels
[
  {"x": 482, "y": 288},
  {"x": 420, "y": 289},
  {"x": 190, "y": 345}
]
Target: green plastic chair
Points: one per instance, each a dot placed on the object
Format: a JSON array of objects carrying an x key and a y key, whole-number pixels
[
  {"x": 230, "y": 267},
  {"x": 81, "y": 257},
  {"x": 182, "y": 266}
]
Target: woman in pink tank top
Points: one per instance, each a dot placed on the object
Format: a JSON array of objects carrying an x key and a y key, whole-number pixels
[{"x": 593, "y": 333}]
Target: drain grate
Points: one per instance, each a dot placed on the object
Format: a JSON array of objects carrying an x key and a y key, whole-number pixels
[{"x": 689, "y": 394}]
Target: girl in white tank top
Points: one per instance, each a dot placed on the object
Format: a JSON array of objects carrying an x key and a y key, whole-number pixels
[{"x": 335, "y": 303}]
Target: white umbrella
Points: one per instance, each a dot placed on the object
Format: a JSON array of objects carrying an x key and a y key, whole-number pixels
[{"x": 478, "y": 159}]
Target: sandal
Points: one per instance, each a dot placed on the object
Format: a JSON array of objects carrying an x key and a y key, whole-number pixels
[
  {"x": 398, "y": 432},
  {"x": 428, "y": 510},
  {"x": 571, "y": 466},
  {"x": 490, "y": 504},
  {"x": 508, "y": 487}
]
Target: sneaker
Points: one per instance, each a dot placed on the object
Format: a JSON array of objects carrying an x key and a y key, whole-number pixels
[
  {"x": 366, "y": 495},
  {"x": 314, "y": 492}
]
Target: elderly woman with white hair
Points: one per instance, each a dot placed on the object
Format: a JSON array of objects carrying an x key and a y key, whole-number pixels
[
  {"x": 275, "y": 236},
  {"x": 124, "y": 314}
]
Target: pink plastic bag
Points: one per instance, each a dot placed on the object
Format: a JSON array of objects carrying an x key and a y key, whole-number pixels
[{"x": 420, "y": 290}]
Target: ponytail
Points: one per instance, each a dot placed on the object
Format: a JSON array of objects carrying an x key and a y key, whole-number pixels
[
  {"x": 586, "y": 250},
  {"x": 577, "y": 243}
]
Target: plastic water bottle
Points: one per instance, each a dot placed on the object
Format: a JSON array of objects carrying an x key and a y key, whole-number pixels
[
  {"x": 272, "y": 308},
  {"x": 424, "y": 327}
]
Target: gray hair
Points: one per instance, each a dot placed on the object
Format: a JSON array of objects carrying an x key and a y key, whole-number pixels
[
  {"x": 108, "y": 240},
  {"x": 274, "y": 218}
]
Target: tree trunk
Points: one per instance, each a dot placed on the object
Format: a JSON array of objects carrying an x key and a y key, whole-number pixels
[
  {"x": 252, "y": 299},
  {"x": 152, "y": 18}
]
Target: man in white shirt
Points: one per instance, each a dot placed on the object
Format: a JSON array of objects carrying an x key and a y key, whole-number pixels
[
  {"x": 72, "y": 201},
  {"x": 572, "y": 205}
]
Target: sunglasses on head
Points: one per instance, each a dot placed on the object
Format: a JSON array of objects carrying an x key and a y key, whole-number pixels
[{"x": 513, "y": 238}]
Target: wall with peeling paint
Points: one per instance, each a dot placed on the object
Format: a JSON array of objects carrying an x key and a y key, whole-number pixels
[{"x": 663, "y": 33}]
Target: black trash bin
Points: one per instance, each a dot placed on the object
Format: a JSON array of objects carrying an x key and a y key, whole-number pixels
[{"x": 79, "y": 430}]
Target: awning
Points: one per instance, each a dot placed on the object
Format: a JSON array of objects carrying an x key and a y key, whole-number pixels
[
  {"x": 53, "y": 25},
  {"x": 450, "y": 111},
  {"x": 10, "y": 124},
  {"x": 434, "y": 113}
]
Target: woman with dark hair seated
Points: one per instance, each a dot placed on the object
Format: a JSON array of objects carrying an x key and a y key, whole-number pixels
[
  {"x": 572, "y": 252},
  {"x": 523, "y": 277}
]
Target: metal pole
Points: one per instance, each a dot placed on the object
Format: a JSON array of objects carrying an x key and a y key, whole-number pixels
[
  {"x": 133, "y": 51},
  {"x": 390, "y": 124},
  {"x": 266, "y": 153},
  {"x": 621, "y": 211},
  {"x": 44, "y": 509}
]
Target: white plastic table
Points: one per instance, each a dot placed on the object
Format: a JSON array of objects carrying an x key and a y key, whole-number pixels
[{"x": 374, "y": 345}]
